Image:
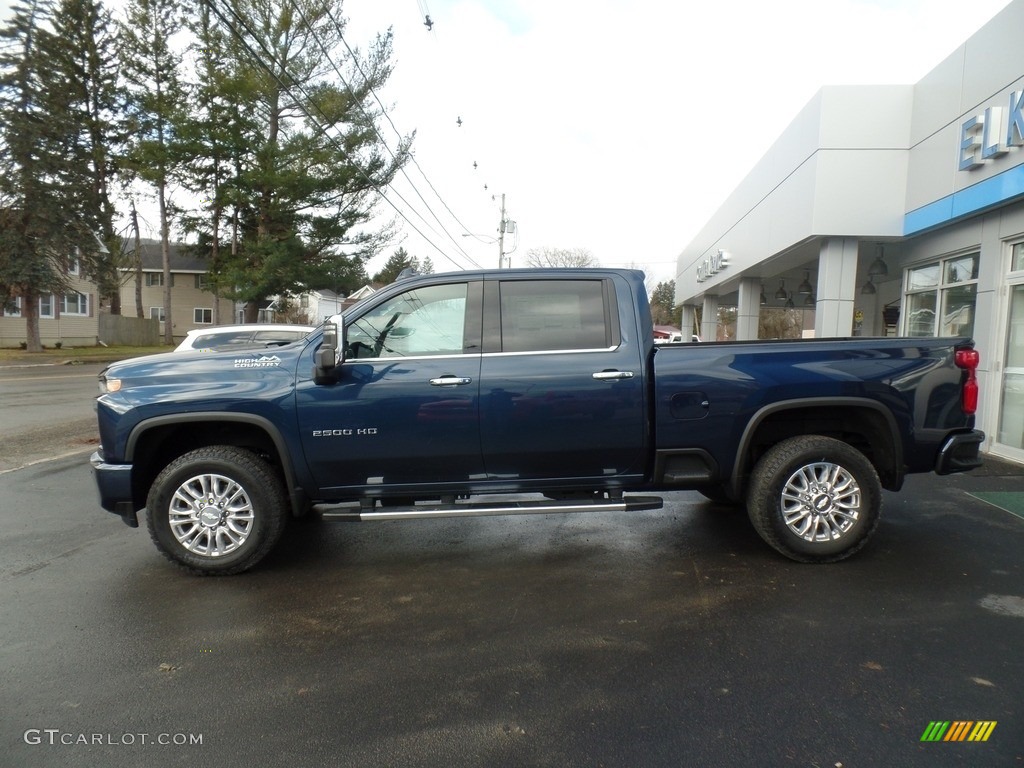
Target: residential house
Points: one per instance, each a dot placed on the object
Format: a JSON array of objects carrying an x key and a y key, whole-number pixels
[
  {"x": 310, "y": 307},
  {"x": 192, "y": 304},
  {"x": 69, "y": 319}
]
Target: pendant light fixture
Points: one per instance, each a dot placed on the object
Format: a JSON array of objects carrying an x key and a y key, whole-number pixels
[
  {"x": 869, "y": 287},
  {"x": 878, "y": 267},
  {"x": 805, "y": 288},
  {"x": 781, "y": 294}
]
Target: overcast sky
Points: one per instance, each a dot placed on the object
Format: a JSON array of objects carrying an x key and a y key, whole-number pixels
[{"x": 616, "y": 126}]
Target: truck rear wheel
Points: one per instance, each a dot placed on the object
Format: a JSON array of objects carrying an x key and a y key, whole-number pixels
[
  {"x": 216, "y": 510},
  {"x": 814, "y": 499}
]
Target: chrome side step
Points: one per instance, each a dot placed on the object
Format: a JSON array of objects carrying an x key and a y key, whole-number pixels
[{"x": 474, "y": 506}]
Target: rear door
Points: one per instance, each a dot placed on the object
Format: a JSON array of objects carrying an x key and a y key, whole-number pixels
[{"x": 562, "y": 393}]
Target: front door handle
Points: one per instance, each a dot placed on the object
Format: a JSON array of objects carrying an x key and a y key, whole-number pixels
[
  {"x": 612, "y": 375},
  {"x": 450, "y": 381}
]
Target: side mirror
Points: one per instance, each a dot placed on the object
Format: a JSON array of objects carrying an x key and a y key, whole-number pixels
[{"x": 326, "y": 359}]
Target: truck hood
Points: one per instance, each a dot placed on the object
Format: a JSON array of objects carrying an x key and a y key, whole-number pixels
[{"x": 201, "y": 370}]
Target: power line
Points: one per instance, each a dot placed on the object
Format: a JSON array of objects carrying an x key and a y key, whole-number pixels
[
  {"x": 302, "y": 107},
  {"x": 359, "y": 106},
  {"x": 384, "y": 112}
]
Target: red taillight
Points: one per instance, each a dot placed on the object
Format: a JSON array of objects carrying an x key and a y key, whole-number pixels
[{"x": 968, "y": 359}]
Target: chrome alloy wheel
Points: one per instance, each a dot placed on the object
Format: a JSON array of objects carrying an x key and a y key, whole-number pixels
[
  {"x": 820, "y": 502},
  {"x": 211, "y": 515}
]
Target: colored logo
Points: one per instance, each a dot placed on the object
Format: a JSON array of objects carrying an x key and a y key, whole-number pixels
[{"x": 958, "y": 730}]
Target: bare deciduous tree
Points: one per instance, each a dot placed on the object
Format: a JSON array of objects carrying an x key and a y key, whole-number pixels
[{"x": 560, "y": 257}]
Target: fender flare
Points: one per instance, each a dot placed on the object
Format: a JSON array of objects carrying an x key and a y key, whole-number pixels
[
  {"x": 740, "y": 467},
  {"x": 261, "y": 422}
]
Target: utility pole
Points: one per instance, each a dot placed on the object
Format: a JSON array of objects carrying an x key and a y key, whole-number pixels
[{"x": 501, "y": 235}]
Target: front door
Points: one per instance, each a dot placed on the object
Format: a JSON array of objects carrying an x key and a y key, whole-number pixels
[{"x": 405, "y": 410}]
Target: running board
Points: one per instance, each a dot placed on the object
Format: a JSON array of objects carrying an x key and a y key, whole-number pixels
[{"x": 473, "y": 507}]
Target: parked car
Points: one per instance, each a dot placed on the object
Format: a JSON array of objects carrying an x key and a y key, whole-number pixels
[
  {"x": 224, "y": 337},
  {"x": 440, "y": 395}
]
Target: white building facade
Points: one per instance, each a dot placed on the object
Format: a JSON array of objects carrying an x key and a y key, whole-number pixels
[{"x": 890, "y": 210}]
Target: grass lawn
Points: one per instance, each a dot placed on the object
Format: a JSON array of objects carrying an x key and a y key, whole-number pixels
[{"x": 82, "y": 354}]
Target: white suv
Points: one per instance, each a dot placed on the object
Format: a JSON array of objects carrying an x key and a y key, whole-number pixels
[{"x": 223, "y": 337}]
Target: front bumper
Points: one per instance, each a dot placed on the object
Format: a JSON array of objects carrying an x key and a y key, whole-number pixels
[
  {"x": 114, "y": 482},
  {"x": 960, "y": 453}
]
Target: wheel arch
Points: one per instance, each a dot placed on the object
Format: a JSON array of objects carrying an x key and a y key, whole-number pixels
[
  {"x": 863, "y": 423},
  {"x": 155, "y": 442}
]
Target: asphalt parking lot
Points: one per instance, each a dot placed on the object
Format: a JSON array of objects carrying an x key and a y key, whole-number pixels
[{"x": 661, "y": 638}]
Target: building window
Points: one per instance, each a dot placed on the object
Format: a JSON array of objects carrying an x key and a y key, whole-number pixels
[
  {"x": 202, "y": 316},
  {"x": 941, "y": 297},
  {"x": 73, "y": 266},
  {"x": 1017, "y": 257},
  {"x": 46, "y": 306},
  {"x": 14, "y": 308},
  {"x": 74, "y": 304},
  {"x": 156, "y": 313},
  {"x": 202, "y": 283},
  {"x": 154, "y": 279}
]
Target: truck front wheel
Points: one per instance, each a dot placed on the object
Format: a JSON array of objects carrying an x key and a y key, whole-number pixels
[
  {"x": 814, "y": 499},
  {"x": 216, "y": 510}
]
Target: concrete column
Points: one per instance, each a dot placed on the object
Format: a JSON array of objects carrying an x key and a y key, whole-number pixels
[
  {"x": 837, "y": 287},
  {"x": 748, "y": 309},
  {"x": 709, "y": 319},
  {"x": 686, "y": 323}
]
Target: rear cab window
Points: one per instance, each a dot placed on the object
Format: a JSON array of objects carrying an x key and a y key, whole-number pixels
[{"x": 552, "y": 315}]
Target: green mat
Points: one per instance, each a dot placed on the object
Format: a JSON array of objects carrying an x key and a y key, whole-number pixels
[{"x": 1011, "y": 501}]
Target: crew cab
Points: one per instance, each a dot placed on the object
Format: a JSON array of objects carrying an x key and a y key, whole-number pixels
[{"x": 524, "y": 391}]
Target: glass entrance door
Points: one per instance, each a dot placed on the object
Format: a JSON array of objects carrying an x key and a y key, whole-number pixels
[{"x": 1011, "y": 408}]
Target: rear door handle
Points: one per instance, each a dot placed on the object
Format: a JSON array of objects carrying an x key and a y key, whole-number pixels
[
  {"x": 450, "y": 381},
  {"x": 612, "y": 375}
]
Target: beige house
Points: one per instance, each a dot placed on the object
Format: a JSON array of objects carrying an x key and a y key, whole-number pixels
[
  {"x": 69, "y": 319},
  {"x": 192, "y": 305}
]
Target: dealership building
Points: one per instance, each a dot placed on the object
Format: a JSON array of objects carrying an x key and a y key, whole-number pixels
[{"x": 889, "y": 210}]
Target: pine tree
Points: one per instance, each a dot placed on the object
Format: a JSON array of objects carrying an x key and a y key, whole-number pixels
[
  {"x": 393, "y": 267},
  {"x": 82, "y": 64},
  {"x": 41, "y": 221},
  {"x": 318, "y": 164},
  {"x": 155, "y": 100}
]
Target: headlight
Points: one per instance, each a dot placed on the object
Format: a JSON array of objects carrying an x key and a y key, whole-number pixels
[{"x": 109, "y": 385}]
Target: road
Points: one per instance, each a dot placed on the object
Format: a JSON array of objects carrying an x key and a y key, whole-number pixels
[
  {"x": 671, "y": 638},
  {"x": 47, "y": 411},
  {"x": 665, "y": 638}
]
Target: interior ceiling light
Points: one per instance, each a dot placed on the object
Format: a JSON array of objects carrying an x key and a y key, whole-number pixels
[
  {"x": 805, "y": 288},
  {"x": 878, "y": 267},
  {"x": 809, "y": 301},
  {"x": 869, "y": 287},
  {"x": 781, "y": 293},
  {"x": 764, "y": 299}
]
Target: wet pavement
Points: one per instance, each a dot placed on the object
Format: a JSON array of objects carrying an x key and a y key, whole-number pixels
[{"x": 665, "y": 638}]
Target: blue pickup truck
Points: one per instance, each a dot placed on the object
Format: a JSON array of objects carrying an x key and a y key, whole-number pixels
[{"x": 524, "y": 391}]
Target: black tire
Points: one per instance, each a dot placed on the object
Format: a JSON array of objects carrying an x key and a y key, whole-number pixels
[
  {"x": 814, "y": 499},
  {"x": 216, "y": 498}
]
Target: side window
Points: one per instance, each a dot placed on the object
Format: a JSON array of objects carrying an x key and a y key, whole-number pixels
[
  {"x": 422, "y": 321},
  {"x": 222, "y": 340},
  {"x": 278, "y": 335},
  {"x": 540, "y": 315}
]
